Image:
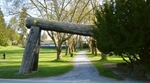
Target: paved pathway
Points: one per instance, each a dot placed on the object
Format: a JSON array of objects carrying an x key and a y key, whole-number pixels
[{"x": 83, "y": 72}]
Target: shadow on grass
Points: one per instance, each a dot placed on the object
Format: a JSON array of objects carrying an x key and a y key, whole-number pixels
[
  {"x": 10, "y": 62},
  {"x": 8, "y": 72},
  {"x": 49, "y": 51},
  {"x": 11, "y": 51},
  {"x": 59, "y": 60}
]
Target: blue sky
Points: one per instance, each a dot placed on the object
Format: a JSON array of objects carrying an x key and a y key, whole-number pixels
[
  {"x": 2, "y": 6},
  {"x": 6, "y": 17}
]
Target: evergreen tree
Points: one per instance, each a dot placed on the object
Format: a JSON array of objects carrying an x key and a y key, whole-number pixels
[
  {"x": 4, "y": 41},
  {"x": 123, "y": 29},
  {"x": 23, "y": 29},
  {"x": 13, "y": 28},
  {"x": 12, "y": 35}
]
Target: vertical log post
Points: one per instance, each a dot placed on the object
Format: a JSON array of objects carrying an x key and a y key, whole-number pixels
[
  {"x": 30, "y": 56},
  {"x": 36, "y": 54}
]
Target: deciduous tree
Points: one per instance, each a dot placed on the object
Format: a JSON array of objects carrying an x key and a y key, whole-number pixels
[{"x": 61, "y": 10}]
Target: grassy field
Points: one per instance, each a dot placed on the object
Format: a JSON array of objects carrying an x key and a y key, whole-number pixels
[
  {"x": 97, "y": 62},
  {"x": 48, "y": 66}
]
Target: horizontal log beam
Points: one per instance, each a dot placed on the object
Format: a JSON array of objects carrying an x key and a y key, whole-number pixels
[{"x": 81, "y": 29}]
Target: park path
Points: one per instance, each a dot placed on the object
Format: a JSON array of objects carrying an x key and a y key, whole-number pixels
[{"x": 83, "y": 72}]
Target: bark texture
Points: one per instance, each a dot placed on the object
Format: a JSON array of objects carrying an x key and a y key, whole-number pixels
[
  {"x": 36, "y": 54},
  {"x": 81, "y": 29},
  {"x": 30, "y": 56}
]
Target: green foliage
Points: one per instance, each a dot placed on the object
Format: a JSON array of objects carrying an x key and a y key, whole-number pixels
[
  {"x": 34, "y": 22},
  {"x": 12, "y": 35},
  {"x": 123, "y": 27},
  {"x": 2, "y": 21},
  {"x": 4, "y": 41},
  {"x": 12, "y": 31},
  {"x": 23, "y": 33}
]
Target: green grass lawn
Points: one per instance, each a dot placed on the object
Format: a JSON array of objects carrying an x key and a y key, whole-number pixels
[
  {"x": 97, "y": 62},
  {"x": 48, "y": 66}
]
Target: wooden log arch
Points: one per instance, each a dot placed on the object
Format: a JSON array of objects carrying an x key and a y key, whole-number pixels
[{"x": 31, "y": 52}]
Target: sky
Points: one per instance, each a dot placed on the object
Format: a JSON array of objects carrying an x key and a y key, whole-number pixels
[
  {"x": 7, "y": 18},
  {"x": 3, "y": 9}
]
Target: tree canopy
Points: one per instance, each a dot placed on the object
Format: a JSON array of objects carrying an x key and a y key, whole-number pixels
[{"x": 123, "y": 28}]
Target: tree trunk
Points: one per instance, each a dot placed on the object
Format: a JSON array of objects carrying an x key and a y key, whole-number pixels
[
  {"x": 75, "y": 48},
  {"x": 90, "y": 48},
  {"x": 67, "y": 51},
  {"x": 30, "y": 55},
  {"x": 36, "y": 54},
  {"x": 81, "y": 29},
  {"x": 70, "y": 50},
  {"x": 59, "y": 52},
  {"x": 95, "y": 51},
  {"x": 90, "y": 44},
  {"x": 80, "y": 43},
  {"x": 75, "y": 40},
  {"x": 104, "y": 56}
]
